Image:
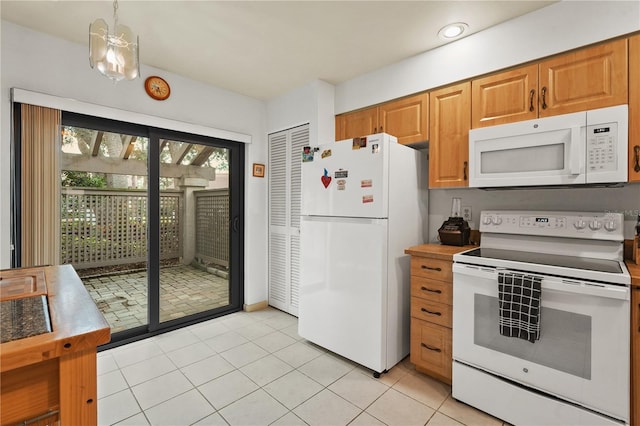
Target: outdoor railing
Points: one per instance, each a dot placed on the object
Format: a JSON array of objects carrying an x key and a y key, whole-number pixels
[
  {"x": 103, "y": 227},
  {"x": 212, "y": 226}
]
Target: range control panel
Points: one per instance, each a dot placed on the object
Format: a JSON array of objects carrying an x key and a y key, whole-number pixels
[{"x": 600, "y": 226}]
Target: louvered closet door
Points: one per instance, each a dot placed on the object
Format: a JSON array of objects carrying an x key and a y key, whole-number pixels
[{"x": 285, "y": 149}]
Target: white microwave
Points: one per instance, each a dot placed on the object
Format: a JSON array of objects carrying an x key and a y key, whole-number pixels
[{"x": 588, "y": 147}]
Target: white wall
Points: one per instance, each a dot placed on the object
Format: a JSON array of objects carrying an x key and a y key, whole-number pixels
[
  {"x": 311, "y": 103},
  {"x": 41, "y": 63}
]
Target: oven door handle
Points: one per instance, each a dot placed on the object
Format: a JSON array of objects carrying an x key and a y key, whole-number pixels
[
  {"x": 585, "y": 288},
  {"x": 619, "y": 292}
]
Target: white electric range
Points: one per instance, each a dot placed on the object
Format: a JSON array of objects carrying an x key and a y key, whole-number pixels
[{"x": 541, "y": 317}]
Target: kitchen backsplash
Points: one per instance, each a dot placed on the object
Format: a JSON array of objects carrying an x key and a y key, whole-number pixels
[{"x": 625, "y": 200}]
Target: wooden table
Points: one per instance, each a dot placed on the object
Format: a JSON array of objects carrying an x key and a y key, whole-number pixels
[{"x": 52, "y": 371}]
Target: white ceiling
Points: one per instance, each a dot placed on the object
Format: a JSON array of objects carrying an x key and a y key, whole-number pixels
[{"x": 266, "y": 48}]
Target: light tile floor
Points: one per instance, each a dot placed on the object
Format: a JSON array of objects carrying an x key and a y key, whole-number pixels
[{"x": 254, "y": 369}]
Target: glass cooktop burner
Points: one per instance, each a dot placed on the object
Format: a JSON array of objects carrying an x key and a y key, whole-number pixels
[{"x": 574, "y": 262}]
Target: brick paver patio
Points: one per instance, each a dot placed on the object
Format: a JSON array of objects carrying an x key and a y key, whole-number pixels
[{"x": 184, "y": 290}]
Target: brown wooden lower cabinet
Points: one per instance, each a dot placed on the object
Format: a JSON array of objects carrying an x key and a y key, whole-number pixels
[
  {"x": 49, "y": 377},
  {"x": 431, "y": 316},
  {"x": 431, "y": 349}
]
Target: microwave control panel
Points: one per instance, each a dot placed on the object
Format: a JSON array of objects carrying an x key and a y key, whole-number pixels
[{"x": 601, "y": 147}]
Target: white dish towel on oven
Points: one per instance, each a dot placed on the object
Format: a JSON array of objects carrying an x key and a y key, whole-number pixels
[{"x": 519, "y": 303}]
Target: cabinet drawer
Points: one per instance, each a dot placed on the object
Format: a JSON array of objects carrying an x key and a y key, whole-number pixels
[
  {"x": 433, "y": 290},
  {"x": 431, "y": 268},
  {"x": 431, "y": 348},
  {"x": 437, "y": 313}
]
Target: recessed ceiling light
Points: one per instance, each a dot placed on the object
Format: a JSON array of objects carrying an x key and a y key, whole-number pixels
[{"x": 452, "y": 30}]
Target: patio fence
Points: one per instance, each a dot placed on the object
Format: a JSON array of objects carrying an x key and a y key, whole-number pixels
[
  {"x": 212, "y": 226},
  {"x": 102, "y": 227}
]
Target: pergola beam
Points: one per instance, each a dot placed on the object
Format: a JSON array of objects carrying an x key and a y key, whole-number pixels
[
  {"x": 127, "y": 146},
  {"x": 116, "y": 166},
  {"x": 96, "y": 141},
  {"x": 178, "y": 153},
  {"x": 202, "y": 156}
]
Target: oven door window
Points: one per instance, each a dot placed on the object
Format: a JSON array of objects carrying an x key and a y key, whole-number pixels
[{"x": 564, "y": 345}]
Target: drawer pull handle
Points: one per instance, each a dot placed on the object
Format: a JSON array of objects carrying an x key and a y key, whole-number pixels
[
  {"x": 431, "y": 268},
  {"x": 430, "y": 312},
  {"x": 431, "y": 348},
  {"x": 430, "y": 290}
]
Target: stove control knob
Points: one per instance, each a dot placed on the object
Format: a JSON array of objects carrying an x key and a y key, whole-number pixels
[
  {"x": 595, "y": 225},
  {"x": 610, "y": 225},
  {"x": 487, "y": 220},
  {"x": 579, "y": 224},
  {"x": 497, "y": 220}
]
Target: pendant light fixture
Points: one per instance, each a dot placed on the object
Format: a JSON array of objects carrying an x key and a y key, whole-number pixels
[{"x": 115, "y": 53}]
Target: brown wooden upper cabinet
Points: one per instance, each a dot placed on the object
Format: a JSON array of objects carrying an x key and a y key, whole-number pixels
[
  {"x": 634, "y": 111},
  {"x": 405, "y": 118},
  {"x": 449, "y": 121},
  {"x": 505, "y": 97},
  {"x": 357, "y": 123},
  {"x": 590, "y": 78}
]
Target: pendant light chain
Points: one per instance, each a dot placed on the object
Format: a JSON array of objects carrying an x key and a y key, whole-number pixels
[{"x": 115, "y": 15}]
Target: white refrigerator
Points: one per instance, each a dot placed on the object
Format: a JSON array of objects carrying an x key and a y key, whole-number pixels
[{"x": 364, "y": 201}]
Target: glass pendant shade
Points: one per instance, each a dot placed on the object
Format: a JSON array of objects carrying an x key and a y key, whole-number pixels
[{"x": 114, "y": 54}]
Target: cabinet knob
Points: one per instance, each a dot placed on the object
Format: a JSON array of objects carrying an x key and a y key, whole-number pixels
[
  {"x": 543, "y": 92},
  {"x": 430, "y": 290}
]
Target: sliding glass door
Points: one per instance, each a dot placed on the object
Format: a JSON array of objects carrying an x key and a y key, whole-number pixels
[
  {"x": 151, "y": 221},
  {"x": 103, "y": 218},
  {"x": 194, "y": 256}
]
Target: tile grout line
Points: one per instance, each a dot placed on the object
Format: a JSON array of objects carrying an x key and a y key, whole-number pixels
[{"x": 237, "y": 323}]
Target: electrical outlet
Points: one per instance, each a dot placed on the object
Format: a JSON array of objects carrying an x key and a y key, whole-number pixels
[{"x": 466, "y": 213}]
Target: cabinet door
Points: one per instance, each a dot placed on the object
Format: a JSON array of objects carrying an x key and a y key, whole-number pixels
[
  {"x": 634, "y": 109},
  {"x": 505, "y": 97},
  {"x": 431, "y": 349},
  {"x": 449, "y": 122},
  {"x": 590, "y": 78},
  {"x": 406, "y": 118},
  {"x": 357, "y": 123}
]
